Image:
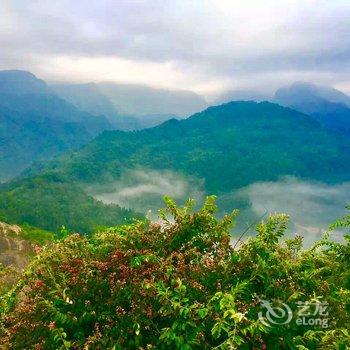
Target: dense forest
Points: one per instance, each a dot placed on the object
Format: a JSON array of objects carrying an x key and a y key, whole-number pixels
[{"x": 50, "y": 203}]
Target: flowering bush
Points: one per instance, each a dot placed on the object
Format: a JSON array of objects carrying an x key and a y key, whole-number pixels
[{"x": 179, "y": 284}]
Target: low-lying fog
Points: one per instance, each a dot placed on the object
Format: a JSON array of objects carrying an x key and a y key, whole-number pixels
[
  {"x": 143, "y": 190},
  {"x": 312, "y": 206}
]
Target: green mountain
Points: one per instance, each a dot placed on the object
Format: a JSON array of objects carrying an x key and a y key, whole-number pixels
[
  {"x": 23, "y": 141},
  {"x": 228, "y": 146},
  {"x": 242, "y": 142},
  {"x": 36, "y": 125}
]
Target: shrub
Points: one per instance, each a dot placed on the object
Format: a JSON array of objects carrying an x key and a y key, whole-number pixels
[{"x": 179, "y": 284}]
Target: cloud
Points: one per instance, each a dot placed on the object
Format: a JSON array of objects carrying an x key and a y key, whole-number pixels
[
  {"x": 206, "y": 46},
  {"x": 144, "y": 189},
  {"x": 312, "y": 206}
]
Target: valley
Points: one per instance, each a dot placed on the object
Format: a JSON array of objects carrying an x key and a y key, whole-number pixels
[{"x": 259, "y": 149}]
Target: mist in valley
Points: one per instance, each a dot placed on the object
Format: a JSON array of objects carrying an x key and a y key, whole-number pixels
[
  {"x": 312, "y": 206},
  {"x": 143, "y": 190}
]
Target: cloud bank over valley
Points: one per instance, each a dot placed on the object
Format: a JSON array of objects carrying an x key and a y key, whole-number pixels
[{"x": 312, "y": 206}]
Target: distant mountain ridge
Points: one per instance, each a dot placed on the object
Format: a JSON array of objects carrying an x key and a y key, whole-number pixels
[
  {"x": 131, "y": 106},
  {"x": 21, "y": 82},
  {"x": 39, "y": 121},
  {"x": 35, "y": 124},
  {"x": 303, "y": 92},
  {"x": 137, "y": 99},
  {"x": 329, "y": 106},
  {"x": 89, "y": 98},
  {"x": 86, "y": 97}
]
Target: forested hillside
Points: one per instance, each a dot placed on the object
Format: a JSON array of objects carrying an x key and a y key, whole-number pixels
[
  {"x": 50, "y": 202},
  {"x": 244, "y": 142},
  {"x": 229, "y": 146}
]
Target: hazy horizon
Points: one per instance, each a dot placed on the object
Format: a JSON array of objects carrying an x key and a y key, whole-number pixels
[{"x": 208, "y": 47}]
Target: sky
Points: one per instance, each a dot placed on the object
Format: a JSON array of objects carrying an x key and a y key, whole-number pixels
[{"x": 206, "y": 46}]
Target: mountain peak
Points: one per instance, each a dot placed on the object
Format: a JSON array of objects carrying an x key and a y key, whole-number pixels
[
  {"x": 16, "y": 73},
  {"x": 307, "y": 92},
  {"x": 21, "y": 82},
  {"x": 231, "y": 109}
]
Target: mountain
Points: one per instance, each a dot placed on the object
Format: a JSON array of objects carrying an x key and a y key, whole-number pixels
[
  {"x": 226, "y": 147},
  {"x": 90, "y": 98},
  {"x": 327, "y": 105},
  {"x": 86, "y": 97},
  {"x": 23, "y": 140},
  {"x": 44, "y": 107},
  {"x": 35, "y": 124},
  {"x": 303, "y": 92},
  {"x": 21, "y": 82},
  {"x": 242, "y": 95},
  {"x": 141, "y": 100},
  {"x": 259, "y": 141}
]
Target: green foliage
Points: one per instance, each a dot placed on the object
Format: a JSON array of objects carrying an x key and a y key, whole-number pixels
[
  {"x": 178, "y": 284},
  {"x": 36, "y": 235},
  {"x": 50, "y": 202}
]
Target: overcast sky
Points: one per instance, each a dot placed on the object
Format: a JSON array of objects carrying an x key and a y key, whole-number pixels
[{"x": 205, "y": 46}]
